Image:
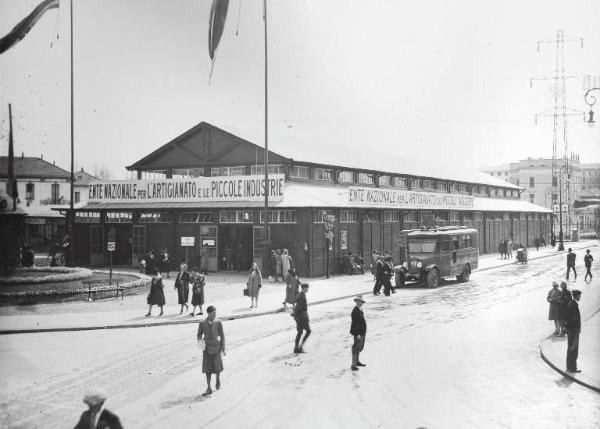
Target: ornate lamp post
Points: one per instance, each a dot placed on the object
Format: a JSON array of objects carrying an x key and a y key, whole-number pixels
[{"x": 591, "y": 100}]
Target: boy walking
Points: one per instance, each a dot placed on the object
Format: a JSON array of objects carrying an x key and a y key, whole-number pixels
[
  {"x": 587, "y": 260},
  {"x": 300, "y": 313}
]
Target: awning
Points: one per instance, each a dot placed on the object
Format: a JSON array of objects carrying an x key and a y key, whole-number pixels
[{"x": 299, "y": 195}]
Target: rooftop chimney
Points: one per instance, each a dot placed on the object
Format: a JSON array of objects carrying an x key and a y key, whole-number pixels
[
  {"x": 42, "y": 156},
  {"x": 22, "y": 155}
]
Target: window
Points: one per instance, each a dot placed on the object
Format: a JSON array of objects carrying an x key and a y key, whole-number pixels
[
  {"x": 365, "y": 178},
  {"x": 299, "y": 172},
  {"x": 410, "y": 216},
  {"x": 118, "y": 217},
  {"x": 319, "y": 216},
  {"x": 477, "y": 216},
  {"x": 454, "y": 187},
  {"x": 466, "y": 216},
  {"x": 87, "y": 217},
  {"x": 346, "y": 177},
  {"x": 196, "y": 217},
  {"x": 228, "y": 171},
  {"x": 517, "y": 182},
  {"x": 384, "y": 180},
  {"x": 236, "y": 216},
  {"x": 184, "y": 173},
  {"x": 442, "y": 187},
  {"x": 531, "y": 198},
  {"x": 497, "y": 192},
  {"x": 427, "y": 184},
  {"x": 260, "y": 169},
  {"x": 55, "y": 194},
  {"x": 30, "y": 191},
  {"x": 531, "y": 182},
  {"x": 347, "y": 216},
  {"x": 415, "y": 183},
  {"x": 77, "y": 196},
  {"x": 323, "y": 174},
  {"x": 391, "y": 216},
  {"x": 279, "y": 216},
  {"x": 425, "y": 246},
  {"x": 453, "y": 216},
  {"x": 463, "y": 189},
  {"x": 370, "y": 217},
  {"x": 400, "y": 182},
  {"x": 157, "y": 217},
  {"x": 441, "y": 216}
]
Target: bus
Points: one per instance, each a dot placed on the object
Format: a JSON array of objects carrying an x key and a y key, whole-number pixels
[{"x": 438, "y": 252}]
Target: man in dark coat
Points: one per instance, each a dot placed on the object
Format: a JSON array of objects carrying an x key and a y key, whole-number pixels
[
  {"x": 573, "y": 319},
  {"x": 358, "y": 330},
  {"x": 587, "y": 260},
  {"x": 386, "y": 276},
  {"x": 563, "y": 301},
  {"x": 378, "y": 275},
  {"x": 571, "y": 263},
  {"x": 97, "y": 416},
  {"x": 300, "y": 313}
]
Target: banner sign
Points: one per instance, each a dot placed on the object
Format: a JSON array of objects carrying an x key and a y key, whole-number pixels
[
  {"x": 404, "y": 199},
  {"x": 222, "y": 188}
]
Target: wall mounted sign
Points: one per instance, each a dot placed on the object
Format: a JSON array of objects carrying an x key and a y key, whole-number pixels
[
  {"x": 222, "y": 188},
  {"x": 187, "y": 241},
  {"x": 404, "y": 199}
]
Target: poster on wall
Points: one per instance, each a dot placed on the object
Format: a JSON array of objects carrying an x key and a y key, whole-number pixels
[{"x": 344, "y": 240}]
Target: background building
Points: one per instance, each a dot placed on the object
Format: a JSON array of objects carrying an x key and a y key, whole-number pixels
[
  {"x": 534, "y": 177},
  {"x": 203, "y": 188},
  {"x": 43, "y": 188}
]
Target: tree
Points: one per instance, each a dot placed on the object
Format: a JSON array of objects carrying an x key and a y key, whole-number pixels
[{"x": 102, "y": 172}]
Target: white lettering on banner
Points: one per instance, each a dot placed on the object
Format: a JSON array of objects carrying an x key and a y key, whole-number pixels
[
  {"x": 226, "y": 188},
  {"x": 397, "y": 198}
]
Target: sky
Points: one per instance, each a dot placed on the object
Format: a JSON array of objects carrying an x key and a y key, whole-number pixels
[{"x": 439, "y": 80}]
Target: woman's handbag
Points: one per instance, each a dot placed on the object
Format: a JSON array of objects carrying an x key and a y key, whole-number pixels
[{"x": 246, "y": 293}]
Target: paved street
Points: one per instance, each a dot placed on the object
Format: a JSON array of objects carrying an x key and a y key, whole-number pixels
[{"x": 462, "y": 355}]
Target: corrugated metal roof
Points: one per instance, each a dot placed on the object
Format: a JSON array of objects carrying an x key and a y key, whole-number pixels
[{"x": 297, "y": 195}]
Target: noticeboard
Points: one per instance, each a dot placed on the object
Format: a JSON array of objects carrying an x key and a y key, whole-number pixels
[
  {"x": 187, "y": 241},
  {"x": 110, "y": 246}
]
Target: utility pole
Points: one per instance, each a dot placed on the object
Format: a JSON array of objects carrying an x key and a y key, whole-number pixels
[{"x": 559, "y": 113}]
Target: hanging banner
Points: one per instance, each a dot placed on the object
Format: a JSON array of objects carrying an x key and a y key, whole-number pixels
[
  {"x": 404, "y": 199},
  {"x": 222, "y": 188}
]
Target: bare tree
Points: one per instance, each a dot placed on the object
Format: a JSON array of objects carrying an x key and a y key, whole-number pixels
[{"x": 102, "y": 172}]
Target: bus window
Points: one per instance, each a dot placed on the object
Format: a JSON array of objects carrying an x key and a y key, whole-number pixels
[
  {"x": 445, "y": 246},
  {"x": 455, "y": 243},
  {"x": 425, "y": 246}
]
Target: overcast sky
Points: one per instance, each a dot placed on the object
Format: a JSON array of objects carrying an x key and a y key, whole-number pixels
[{"x": 440, "y": 79}]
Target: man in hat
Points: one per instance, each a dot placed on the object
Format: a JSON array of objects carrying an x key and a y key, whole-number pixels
[
  {"x": 587, "y": 260},
  {"x": 211, "y": 338},
  {"x": 97, "y": 416},
  {"x": 300, "y": 313},
  {"x": 358, "y": 329},
  {"x": 378, "y": 275},
  {"x": 571, "y": 263},
  {"x": 387, "y": 273},
  {"x": 573, "y": 322}
]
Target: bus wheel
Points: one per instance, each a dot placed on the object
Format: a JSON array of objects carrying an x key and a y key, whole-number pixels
[
  {"x": 464, "y": 276},
  {"x": 433, "y": 278}
]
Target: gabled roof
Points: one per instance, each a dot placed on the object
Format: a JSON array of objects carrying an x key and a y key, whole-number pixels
[
  {"x": 26, "y": 167},
  {"x": 84, "y": 178},
  {"x": 198, "y": 144}
]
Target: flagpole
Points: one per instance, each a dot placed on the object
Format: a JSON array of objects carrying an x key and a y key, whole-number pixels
[
  {"x": 266, "y": 157},
  {"x": 71, "y": 216}
]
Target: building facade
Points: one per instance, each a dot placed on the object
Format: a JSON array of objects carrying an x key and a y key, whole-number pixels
[
  {"x": 44, "y": 189},
  {"x": 205, "y": 188},
  {"x": 534, "y": 177}
]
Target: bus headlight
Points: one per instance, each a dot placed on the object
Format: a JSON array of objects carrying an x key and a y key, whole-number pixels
[{"x": 419, "y": 264}]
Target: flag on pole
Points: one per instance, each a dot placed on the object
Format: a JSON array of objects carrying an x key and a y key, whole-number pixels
[
  {"x": 216, "y": 24},
  {"x": 22, "y": 28},
  {"x": 12, "y": 180}
]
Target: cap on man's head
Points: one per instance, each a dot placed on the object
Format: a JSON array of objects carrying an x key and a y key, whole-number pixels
[
  {"x": 569, "y": 249},
  {"x": 210, "y": 309},
  {"x": 588, "y": 250},
  {"x": 576, "y": 292},
  {"x": 304, "y": 285},
  {"x": 554, "y": 284},
  {"x": 94, "y": 398}
]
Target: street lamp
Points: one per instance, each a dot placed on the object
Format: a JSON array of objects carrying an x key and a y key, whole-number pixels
[{"x": 591, "y": 100}]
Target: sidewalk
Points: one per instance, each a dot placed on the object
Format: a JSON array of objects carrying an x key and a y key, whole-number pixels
[
  {"x": 223, "y": 290},
  {"x": 554, "y": 351}
]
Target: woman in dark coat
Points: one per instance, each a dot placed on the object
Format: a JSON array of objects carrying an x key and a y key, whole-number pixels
[
  {"x": 254, "y": 284},
  {"x": 554, "y": 312},
  {"x": 198, "y": 282},
  {"x": 182, "y": 283},
  {"x": 292, "y": 288},
  {"x": 565, "y": 297},
  {"x": 156, "y": 295}
]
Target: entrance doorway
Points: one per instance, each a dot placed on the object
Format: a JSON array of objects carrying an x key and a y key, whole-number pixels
[{"x": 235, "y": 247}]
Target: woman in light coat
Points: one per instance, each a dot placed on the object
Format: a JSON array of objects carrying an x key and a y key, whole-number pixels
[
  {"x": 182, "y": 285},
  {"x": 254, "y": 284},
  {"x": 286, "y": 264}
]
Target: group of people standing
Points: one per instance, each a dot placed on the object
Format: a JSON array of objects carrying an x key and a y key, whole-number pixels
[
  {"x": 506, "y": 247},
  {"x": 383, "y": 270},
  {"x": 184, "y": 278},
  {"x": 564, "y": 311}
]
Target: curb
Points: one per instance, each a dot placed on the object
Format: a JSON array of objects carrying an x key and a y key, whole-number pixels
[
  {"x": 240, "y": 316},
  {"x": 545, "y": 358}
]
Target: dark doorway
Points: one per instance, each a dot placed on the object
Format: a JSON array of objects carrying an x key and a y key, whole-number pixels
[{"x": 235, "y": 247}]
